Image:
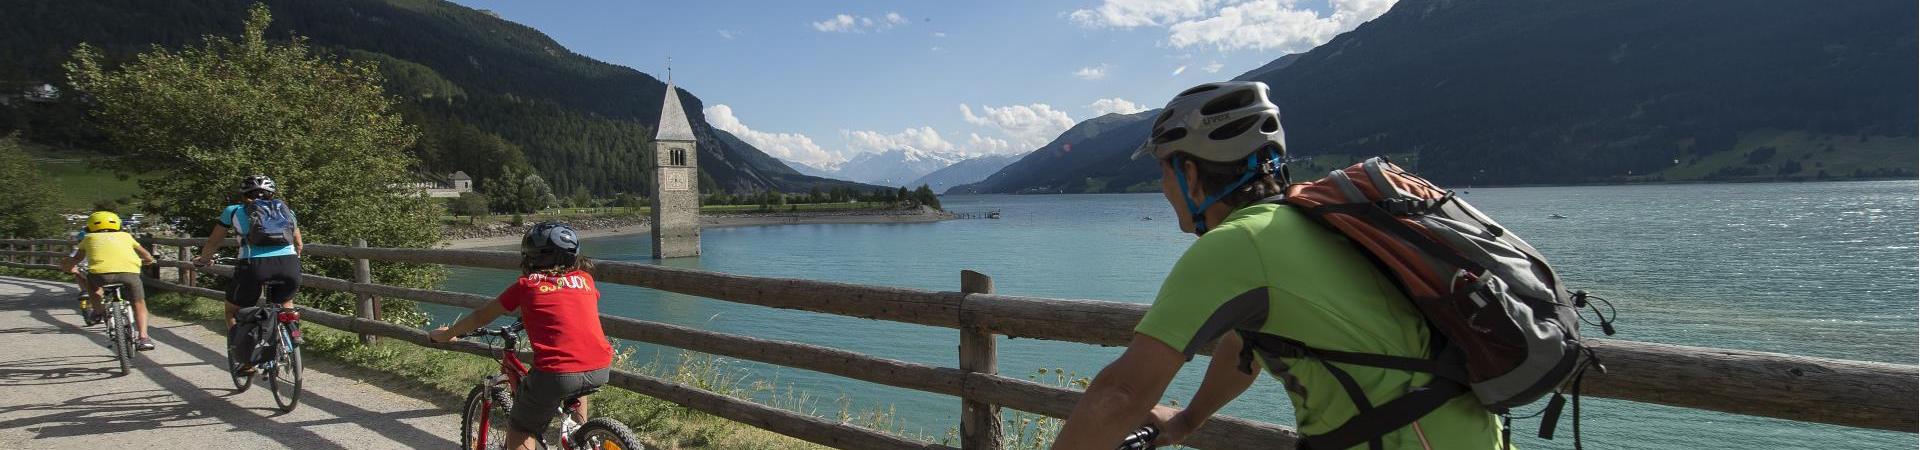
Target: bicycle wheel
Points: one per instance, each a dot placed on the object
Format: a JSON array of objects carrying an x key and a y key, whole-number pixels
[
  {"x": 128, "y": 334},
  {"x": 235, "y": 359},
  {"x": 604, "y": 433},
  {"x": 483, "y": 421},
  {"x": 119, "y": 336},
  {"x": 285, "y": 375}
]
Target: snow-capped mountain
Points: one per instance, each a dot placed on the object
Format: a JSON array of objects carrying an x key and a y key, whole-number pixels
[
  {"x": 889, "y": 168},
  {"x": 964, "y": 172}
]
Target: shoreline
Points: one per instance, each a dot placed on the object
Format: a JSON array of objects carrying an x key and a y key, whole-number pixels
[{"x": 724, "y": 221}]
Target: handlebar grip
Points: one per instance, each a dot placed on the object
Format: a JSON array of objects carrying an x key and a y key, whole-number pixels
[{"x": 1140, "y": 439}]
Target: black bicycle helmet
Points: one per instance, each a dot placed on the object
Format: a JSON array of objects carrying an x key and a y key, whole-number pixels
[
  {"x": 549, "y": 244},
  {"x": 256, "y": 183}
]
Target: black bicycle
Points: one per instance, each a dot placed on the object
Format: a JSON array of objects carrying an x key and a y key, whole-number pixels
[{"x": 274, "y": 355}]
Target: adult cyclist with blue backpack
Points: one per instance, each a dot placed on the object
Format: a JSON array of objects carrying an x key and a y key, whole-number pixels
[{"x": 270, "y": 246}]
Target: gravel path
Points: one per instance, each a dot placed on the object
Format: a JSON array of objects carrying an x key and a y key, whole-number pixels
[{"x": 59, "y": 389}]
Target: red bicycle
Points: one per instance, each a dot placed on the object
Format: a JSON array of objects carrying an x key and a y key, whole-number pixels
[{"x": 483, "y": 421}]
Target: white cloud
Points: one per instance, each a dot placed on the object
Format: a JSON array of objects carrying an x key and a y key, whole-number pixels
[
  {"x": 1139, "y": 13},
  {"x": 922, "y": 138},
  {"x": 728, "y": 34},
  {"x": 1213, "y": 67},
  {"x": 838, "y": 24},
  {"x": 1117, "y": 105},
  {"x": 939, "y": 34},
  {"x": 982, "y": 145},
  {"x": 1273, "y": 25},
  {"x": 1092, "y": 72},
  {"x": 1178, "y": 70},
  {"x": 794, "y": 147},
  {"x": 848, "y": 23},
  {"x": 1030, "y": 126}
]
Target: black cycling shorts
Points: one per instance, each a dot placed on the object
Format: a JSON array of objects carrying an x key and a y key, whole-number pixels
[
  {"x": 537, "y": 401},
  {"x": 252, "y": 273}
]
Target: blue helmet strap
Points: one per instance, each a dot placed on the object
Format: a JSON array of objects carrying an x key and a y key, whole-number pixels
[{"x": 1199, "y": 211}]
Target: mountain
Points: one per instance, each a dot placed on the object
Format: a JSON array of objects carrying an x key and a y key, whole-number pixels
[
  {"x": 1544, "y": 92},
  {"x": 964, "y": 172},
  {"x": 1269, "y": 68},
  {"x": 466, "y": 76},
  {"x": 892, "y": 167},
  {"x": 1081, "y": 160},
  {"x": 812, "y": 170}
]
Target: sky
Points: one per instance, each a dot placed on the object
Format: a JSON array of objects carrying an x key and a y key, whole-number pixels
[{"x": 820, "y": 82}]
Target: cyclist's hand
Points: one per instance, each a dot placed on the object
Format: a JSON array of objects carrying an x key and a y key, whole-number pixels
[
  {"x": 202, "y": 261},
  {"x": 1173, "y": 425},
  {"x": 149, "y": 262},
  {"x": 441, "y": 335}
]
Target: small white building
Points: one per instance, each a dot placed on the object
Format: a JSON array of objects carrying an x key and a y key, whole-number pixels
[{"x": 455, "y": 184}]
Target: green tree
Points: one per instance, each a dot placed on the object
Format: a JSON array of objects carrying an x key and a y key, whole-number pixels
[
  {"x": 519, "y": 192},
  {"x": 26, "y": 198},
  {"x": 468, "y": 204},
  {"x": 925, "y": 196},
  {"x": 195, "y": 120}
]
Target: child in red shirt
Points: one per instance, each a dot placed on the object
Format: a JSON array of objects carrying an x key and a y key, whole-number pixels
[{"x": 558, "y": 303}]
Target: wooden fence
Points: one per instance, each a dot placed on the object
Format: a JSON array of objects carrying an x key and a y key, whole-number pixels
[{"x": 1851, "y": 393}]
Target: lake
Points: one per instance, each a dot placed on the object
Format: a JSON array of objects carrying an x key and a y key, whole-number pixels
[{"x": 1819, "y": 269}]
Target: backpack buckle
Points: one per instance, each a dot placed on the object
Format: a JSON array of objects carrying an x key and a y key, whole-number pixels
[{"x": 1405, "y": 206}]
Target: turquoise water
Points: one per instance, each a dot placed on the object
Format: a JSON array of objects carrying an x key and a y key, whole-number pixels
[{"x": 1820, "y": 269}]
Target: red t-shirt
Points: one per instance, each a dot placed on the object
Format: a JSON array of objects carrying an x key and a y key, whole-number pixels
[{"x": 562, "y": 315}]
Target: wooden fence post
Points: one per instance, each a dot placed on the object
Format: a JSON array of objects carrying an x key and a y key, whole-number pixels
[
  {"x": 979, "y": 421},
  {"x": 363, "y": 274},
  {"x": 187, "y": 276},
  {"x": 152, "y": 271}
]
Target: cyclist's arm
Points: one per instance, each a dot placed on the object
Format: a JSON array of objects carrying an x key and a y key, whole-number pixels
[
  {"x": 299, "y": 245},
  {"x": 79, "y": 254},
  {"x": 1121, "y": 396},
  {"x": 146, "y": 258},
  {"x": 1223, "y": 383},
  {"x": 214, "y": 239},
  {"x": 480, "y": 318}
]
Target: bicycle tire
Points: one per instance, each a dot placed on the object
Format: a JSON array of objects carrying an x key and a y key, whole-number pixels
[
  {"x": 476, "y": 409},
  {"x": 120, "y": 331},
  {"x": 604, "y": 433},
  {"x": 286, "y": 393}
]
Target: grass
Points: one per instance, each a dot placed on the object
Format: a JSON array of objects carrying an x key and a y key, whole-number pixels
[
  {"x": 1838, "y": 156},
  {"x": 78, "y": 182}
]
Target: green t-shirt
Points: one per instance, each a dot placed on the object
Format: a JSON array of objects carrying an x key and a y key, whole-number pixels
[{"x": 1315, "y": 287}]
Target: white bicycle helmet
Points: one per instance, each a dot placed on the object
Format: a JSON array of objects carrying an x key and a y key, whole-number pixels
[
  {"x": 256, "y": 183},
  {"x": 1219, "y": 122}
]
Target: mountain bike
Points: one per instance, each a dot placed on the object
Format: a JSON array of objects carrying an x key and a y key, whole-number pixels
[
  {"x": 483, "y": 420},
  {"x": 274, "y": 358},
  {"x": 120, "y": 333}
]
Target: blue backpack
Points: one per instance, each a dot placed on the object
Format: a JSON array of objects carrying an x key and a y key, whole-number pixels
[{"x": 269, "y": 222}]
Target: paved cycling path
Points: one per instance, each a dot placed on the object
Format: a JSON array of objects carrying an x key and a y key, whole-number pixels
[{"x": 59, "y": 389}]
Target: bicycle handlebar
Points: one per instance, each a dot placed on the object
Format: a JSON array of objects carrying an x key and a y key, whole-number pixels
[
  {"x": 1140, "y": 439},
  {"x": 516, "y": 327}
]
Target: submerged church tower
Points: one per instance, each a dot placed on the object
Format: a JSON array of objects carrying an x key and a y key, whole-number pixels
[{"x": 676, "y": 183}]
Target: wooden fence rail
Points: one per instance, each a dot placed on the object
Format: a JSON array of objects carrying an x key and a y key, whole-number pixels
[{"x": 1852, "y": 393}]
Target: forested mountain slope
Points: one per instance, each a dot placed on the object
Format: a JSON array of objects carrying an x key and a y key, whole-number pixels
[{"x": 1563, "y": 92}]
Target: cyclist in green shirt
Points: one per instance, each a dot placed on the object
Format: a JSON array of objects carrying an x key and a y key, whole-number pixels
[{"x": 1259, "y": 267}]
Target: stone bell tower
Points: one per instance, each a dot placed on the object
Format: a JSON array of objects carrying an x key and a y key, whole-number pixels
[{"x": 676, "y": 182}]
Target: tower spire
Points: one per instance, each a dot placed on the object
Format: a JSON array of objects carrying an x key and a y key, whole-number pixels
[{"x": 669, "y": 69}]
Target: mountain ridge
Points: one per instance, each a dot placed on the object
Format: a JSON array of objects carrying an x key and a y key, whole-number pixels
[{"x": 1577, "y": 93}]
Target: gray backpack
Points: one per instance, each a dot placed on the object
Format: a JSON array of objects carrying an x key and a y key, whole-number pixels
[{"x": 1506, "y": 330}]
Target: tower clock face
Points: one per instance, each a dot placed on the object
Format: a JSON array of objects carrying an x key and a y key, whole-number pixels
[{"x": 676, "y": 180}]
